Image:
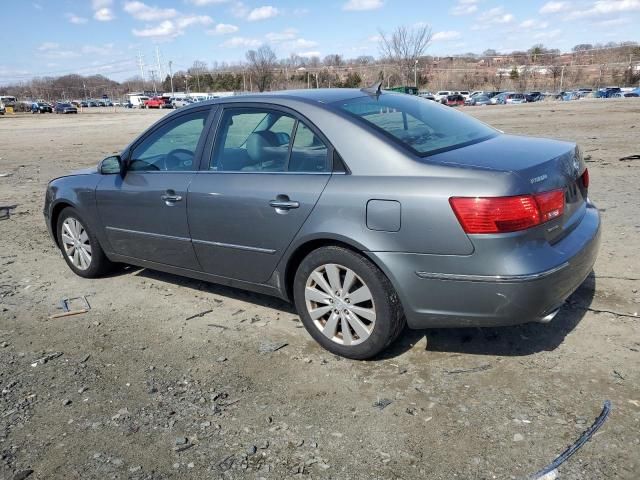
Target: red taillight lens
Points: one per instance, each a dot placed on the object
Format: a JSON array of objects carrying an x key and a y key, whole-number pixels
[
  {"x": 585, "y": 178},
  {"x": 507, "y": 214}
]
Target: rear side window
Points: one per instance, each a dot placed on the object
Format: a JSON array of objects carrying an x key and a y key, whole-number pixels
[
  {"x": 257, "y": 140},
  {"x": 424, "y": 127}
]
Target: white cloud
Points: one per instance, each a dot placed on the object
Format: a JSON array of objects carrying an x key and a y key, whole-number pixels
[
  {"x": 445, "y": 36},
  {"x": 288, "y": 34},
  {"x": 244, "y": 42},
  {"x": 533, "y": 24},
  {"x": 75, "y": 19},
  {"x": 374, "y": 38},
  {"x": 166, "y": 30},
  {"x": 554, "y": 7},
  {"x": 607, "y": 7},
  {"x": 48, "y": 46},
  {"x": 360, "y": 5},
  {"x": 550, "y": 35},
  {"x": 612, "y": 22},
  {"x": 494, "y": 16},
  {"x": 170, "y": 29},
  {"x": 142, "y": 11},
  {"x": 464, "y": 7},
  {"x": 190, "y": 20},
  {"x": 104, "y": 15},
  {"x": 202, "y": 3},
  {"x": 239, "y": 9},
  {"x": 223, "y": 29},
  {"x": 262, "y": 13},
  {"x": 313, "y": 53}
]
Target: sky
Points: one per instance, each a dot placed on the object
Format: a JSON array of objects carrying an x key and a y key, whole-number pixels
[{"x": 55, "y": 37}]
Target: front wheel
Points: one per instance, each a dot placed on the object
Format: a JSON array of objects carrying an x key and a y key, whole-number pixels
[
  {"x": 346, "y": 303},
  {"x": 79, "y": 246}
]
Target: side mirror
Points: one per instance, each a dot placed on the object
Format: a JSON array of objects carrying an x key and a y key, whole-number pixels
[{"x": 111, "y": 165}]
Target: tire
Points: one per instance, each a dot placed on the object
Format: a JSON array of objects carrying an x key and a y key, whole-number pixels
[
  {"x": 98, "y": 264},
  {"x": 377, "y": 308}
]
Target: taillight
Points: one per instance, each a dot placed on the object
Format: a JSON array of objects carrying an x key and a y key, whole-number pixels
[
  {"x": 507, "y": 214},
  {"x": 585, "y": 178}
]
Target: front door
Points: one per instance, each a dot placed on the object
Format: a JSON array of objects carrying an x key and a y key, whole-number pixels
[
  {"x": 265, "y": 176},
  {"x": 144, "y": 213}
]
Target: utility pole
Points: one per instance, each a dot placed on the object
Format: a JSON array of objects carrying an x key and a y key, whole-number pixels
[
  {"x": 415, "y": 74},
  {"x": 171, "y": 76},
  {"x": 561, "y": 77},
  {"x": 159, "y": 64},
  {"x": 153, "y": 79},
  {"x": 244, "y": 81},
  {"x": 141, "y": 65}
]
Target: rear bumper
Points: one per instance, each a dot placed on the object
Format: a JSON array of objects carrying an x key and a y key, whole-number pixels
[{"x": 433, "y": 296}]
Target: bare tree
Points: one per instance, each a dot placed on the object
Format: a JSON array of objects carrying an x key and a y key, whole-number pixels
[
  {"x": 262, "y": 63},
  {"x": 198, "y": 69},
  {"x": 333, "y": 60},
  {"x": 405, "y": 46}
]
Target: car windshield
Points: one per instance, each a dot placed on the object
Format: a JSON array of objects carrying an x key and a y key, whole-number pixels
[
  {"x": 424, "y": 127},
  {"x": 64, "y": 105}
]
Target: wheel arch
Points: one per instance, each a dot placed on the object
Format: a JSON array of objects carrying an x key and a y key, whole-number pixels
[
  {"x": 305, "y": 248},
  {"x": 56, "y": 210}
]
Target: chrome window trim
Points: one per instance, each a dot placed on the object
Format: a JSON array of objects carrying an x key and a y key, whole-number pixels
[{"x": 148, "y": 234}]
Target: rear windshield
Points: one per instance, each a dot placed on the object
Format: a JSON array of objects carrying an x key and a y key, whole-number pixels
[{"x": 422, "y": 126}]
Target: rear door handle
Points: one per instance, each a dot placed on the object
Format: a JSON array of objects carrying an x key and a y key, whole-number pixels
[
  {"x": 284, "y": 204},
  {"x": 170, "y": 197}
]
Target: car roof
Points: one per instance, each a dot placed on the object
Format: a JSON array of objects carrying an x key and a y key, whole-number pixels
[{"x": 319, "y": 95}]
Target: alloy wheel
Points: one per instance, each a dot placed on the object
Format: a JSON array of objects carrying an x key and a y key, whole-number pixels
[
  {"x": 75, "y": 241},
  {"x": 340, "y": 304}
]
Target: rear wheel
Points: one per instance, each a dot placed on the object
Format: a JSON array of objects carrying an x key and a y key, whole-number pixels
[
  {"x": 79, "y": 246},
  {"x": 346, "y": 303}
]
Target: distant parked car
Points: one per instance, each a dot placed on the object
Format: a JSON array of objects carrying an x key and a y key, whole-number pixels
[
  {"x": 454, "y": 100},
  {"x": 41, "y": 107},
  {"x": 154, "y": 102},
  {"x": 515, "y": 99},
  {"x": 499, "y": 98},
  {"x": 464, "y": 93},
  {"x": 65, "y": 107},
  {"x": 84, "y": 104},
  {"x": 533, "y": 96},
  {"x": 441, "y": 95},
  {"x": 426, "y": 94},
  {"x": 181, "y": 102},
  {"x": 3, "y": 109},
  {"x": 478, "y": 100}
]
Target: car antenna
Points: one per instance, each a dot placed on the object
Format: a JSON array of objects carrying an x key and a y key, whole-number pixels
[{"x": 375, "y": 89}]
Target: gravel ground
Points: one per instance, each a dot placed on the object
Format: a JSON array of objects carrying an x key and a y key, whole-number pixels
[{"x": 132, "y": 389}]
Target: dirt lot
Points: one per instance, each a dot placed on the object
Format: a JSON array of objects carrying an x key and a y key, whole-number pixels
[{"x": 139, "y": 392}]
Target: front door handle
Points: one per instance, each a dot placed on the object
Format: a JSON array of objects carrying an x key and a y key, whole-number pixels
[{"x": 284, "y": 204}]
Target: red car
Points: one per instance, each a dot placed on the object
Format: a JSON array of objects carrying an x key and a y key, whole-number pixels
[
  {"x": 155, "y": 102},
  {"x": 454, "y": 100}
]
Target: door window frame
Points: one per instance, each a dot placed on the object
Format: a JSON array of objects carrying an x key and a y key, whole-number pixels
[
  {"x": 197, "y": 157},
  {"x": 216, "y": 128}
]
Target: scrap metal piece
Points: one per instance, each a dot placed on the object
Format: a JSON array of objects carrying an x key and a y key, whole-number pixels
[
  {"x": 66, "y": 309},
  {"x": 550, "y": 471},
  {"x": 5, "y": 211}
]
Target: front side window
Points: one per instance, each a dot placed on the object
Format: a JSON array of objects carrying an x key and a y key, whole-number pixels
[
  {"x": 422, "y": 126},
  {"x": 172, "y": 147},
  {"x": 263, "y": 140}
]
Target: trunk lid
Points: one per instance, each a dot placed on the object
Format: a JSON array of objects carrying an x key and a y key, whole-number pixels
[{"x": 539, "y": 165}]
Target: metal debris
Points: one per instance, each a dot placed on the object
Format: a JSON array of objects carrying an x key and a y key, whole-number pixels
[
  {"x": 268, "y": 347},
  {"x": 481, "y": 368},
  {"x": 5, "y": 211},
  {"x": 550, "y": 471},
  {"x": 199, "y": 315},
  {"x": 382, "y": 403}
]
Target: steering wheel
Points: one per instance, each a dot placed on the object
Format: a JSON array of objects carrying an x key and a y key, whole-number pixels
[{"x": 172, "y": 160}]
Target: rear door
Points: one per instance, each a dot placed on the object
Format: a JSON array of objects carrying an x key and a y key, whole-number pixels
[
  {"x": 144, "y": 213},
  {"x": 264, "y": 176}
]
